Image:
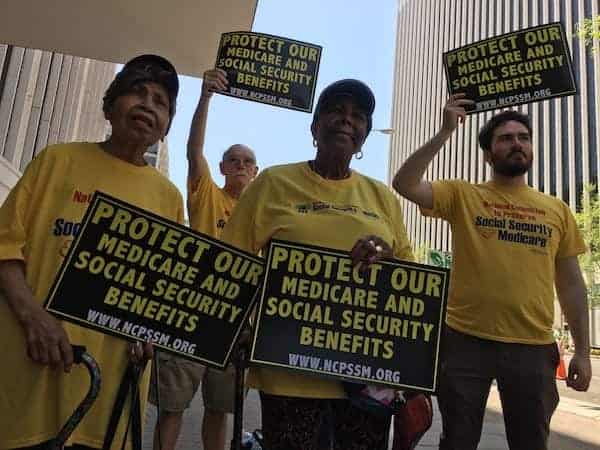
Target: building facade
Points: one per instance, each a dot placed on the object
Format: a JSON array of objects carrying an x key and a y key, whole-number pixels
[
  {"x": 566, "y": 132},
  {"x": 158, "y": 156},
  {"x": 46, "y": 98}
]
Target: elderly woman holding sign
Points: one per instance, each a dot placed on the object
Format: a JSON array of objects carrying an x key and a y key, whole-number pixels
[
  {"x": 38, "y": 222},
  {"x": 321, "y": 202}
]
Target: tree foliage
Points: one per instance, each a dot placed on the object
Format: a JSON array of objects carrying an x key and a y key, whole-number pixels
[
  {"x": 588, "y": 221},
  {"x": 588, "y": 31}
]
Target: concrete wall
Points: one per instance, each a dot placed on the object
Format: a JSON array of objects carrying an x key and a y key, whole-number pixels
[{"x": 46, "y": 98}]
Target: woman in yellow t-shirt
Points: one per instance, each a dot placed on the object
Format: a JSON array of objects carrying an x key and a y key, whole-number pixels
[
  {"x": 321, "y": 202},
  {"x": 38, "y": 222}
]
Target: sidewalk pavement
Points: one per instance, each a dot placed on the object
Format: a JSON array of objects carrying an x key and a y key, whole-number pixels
[{"x": 575, "y": 425}]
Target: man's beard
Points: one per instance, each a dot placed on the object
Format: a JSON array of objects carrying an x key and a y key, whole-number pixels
[{"x": 509, "y": 167}]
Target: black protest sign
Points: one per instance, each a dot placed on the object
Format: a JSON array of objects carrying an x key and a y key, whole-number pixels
[
  {"x": 320, "y": 315},
  {"x": 525, "y": 66},
  {"x": 270, "y": 69},
  {"x": 133, "y": 274}
]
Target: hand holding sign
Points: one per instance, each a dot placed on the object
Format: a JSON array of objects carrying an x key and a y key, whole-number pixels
[
  {"x": 214, "y": 80},
  {"x": 455, "y": 111},
  {"x": 140, "y": 353},
  {"x": 369, "y": 250}
]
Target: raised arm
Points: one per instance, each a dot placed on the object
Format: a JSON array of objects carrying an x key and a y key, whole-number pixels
[
  {"x": 214, "y": 80},
  {"x": 572, "y": 296},
  {"x": 408, "y": 181}
]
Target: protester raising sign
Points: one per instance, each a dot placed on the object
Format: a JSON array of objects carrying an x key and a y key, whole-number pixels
[
  {"x": 270, "y": 69},
  {"x": 318, "y": 314},
  {"x": 521, "y": 67},
  {"x": 133, "y": 274}
]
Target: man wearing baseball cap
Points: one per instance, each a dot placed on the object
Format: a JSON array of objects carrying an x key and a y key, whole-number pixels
[{"x": 40, "y": 386}]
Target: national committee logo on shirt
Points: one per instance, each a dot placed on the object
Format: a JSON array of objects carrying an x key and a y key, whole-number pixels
[
  {"x": 67, "y": 229},
  {"x": 317, "y": 207},
  {"x": 514, "y": 223},
  {"x": 81, "y": 197}
]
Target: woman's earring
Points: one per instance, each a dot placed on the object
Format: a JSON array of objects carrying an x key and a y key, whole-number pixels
[
  {"x": 358, "y": 154},
  {"x": 314, "y": 143}
]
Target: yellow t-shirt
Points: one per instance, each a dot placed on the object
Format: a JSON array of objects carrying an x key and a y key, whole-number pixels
[
  {"x": 38, "y": 222},
  {"x": 209, "y": 206},
  {"x": 505, "y": 242},
  {"x": 293, "y": 203}
]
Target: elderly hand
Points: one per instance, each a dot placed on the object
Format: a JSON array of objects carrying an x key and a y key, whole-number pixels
[
  {"x": 140, "y": 352},
  {"x": 47, "y": 341},
  {"x": 369, "y": 250},
  {"x": 214, "y": 80},
  {"x": 580, "y": 372}
]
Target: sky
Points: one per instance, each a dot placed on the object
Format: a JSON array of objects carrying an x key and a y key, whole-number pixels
[{"x": 358, "y": 40}]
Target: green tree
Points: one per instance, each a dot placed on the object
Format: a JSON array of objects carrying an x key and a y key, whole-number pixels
[
  {"x": 425, "y": 255},
  {"x": 588, "y": 221},
  {"x": 420, "y": 254},
  {"x": 589, "y": 32}
]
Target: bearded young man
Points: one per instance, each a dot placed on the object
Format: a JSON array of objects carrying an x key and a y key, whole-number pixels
[{"x": 511, "y": 245}]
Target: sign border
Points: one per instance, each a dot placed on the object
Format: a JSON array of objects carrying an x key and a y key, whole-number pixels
[
  {"x": 100, "y": 196},
  {"x": 306, "y": 370},
  {"x": 293, "y": 108},
  {"x": 568, "y": 56}
]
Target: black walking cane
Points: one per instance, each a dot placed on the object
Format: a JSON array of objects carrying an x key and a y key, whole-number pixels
[
  {"x": 241, "y": 361},
  {"x": 80, "y": 356}
]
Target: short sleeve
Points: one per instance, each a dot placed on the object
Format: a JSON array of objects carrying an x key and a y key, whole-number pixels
[
  {"x": 445, "y": 195},
  {"x": 402, "y": 248},
  {"x": 241, "y": 229},
  {"x": 203, "y": 180},
  {"x": 14, "y": 213},
  {"x": 180, "y": 211},
  {"x": 196, "y": 193},
  {"x": 571, "y": 243}
]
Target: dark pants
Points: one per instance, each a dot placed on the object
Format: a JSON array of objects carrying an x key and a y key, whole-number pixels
[
  {"x": 525, "y": 375},
  {"x": 46, "y": 445},
  {"x": 290, "y": 423}
]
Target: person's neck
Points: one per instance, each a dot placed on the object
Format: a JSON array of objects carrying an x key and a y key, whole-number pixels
[
  {"x": 131, "y": 152},
  {"x": 331, "y": 167},
  {"x": 506, "y": 181},
  {"x": 234, "y": 190}
]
